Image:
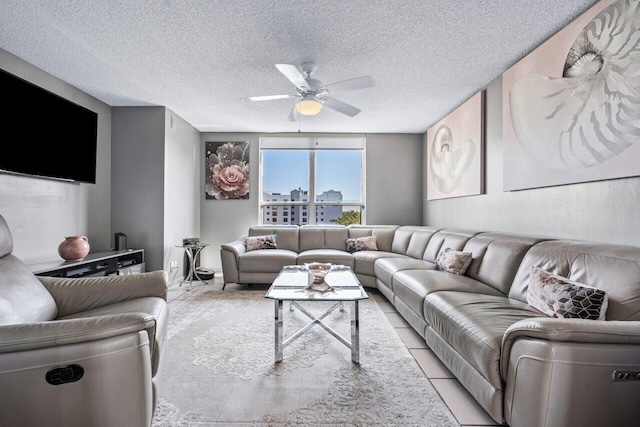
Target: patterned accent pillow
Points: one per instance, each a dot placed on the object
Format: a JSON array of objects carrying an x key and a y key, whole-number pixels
[
  {"x": 455, "y": 262},
  {"x": 362, "y": 244},
  {"x": 261, "y": 242},
  {"x": 557, "y": 296}
]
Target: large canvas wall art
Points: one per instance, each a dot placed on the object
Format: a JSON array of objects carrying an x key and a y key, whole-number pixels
[
  {"x": 571, "y": 108},
  {"x": 455, "y": 152},
  {"x": 227, "y": 170}
]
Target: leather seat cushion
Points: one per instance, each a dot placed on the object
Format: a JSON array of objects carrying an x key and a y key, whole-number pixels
[
  {"x": 266, "y": 260},
  {"x": 412, "y": 286},
  {"x": 385, "y": 268},
  {"x": 474, "y": 325},
  {"x": 334, "y": 256},
  {"x": 365, "y": 260},
  {"x": 153, "y": 306}
]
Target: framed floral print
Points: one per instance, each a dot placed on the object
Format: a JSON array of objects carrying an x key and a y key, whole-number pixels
[{"x": 227, "y": 170}]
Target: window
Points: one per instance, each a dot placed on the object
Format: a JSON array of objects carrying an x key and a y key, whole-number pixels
[{"x": 319, "y": 180}]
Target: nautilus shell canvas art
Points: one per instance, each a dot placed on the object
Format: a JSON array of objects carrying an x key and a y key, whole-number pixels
[
  {"x": 227, "y": 170},
  {"x": 571, "y": 108},
  {"x": 455, "y": 152}
]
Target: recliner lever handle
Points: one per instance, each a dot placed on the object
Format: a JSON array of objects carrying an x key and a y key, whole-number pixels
[{"x": 64, "y": 374}]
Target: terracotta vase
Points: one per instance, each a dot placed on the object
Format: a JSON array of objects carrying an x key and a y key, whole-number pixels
[{"x": 74, "y": 248}]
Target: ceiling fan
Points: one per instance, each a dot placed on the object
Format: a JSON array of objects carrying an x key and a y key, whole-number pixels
[{"x": 313, "y": 94}]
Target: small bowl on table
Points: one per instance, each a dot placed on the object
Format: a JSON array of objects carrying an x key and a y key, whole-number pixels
[{"x": 319, "y": 270}]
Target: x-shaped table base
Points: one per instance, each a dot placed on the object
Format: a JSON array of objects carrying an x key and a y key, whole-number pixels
[{"x": 354, "y": 344}]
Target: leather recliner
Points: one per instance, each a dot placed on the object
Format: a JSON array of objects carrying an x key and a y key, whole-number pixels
[{"x": 78, "y": 352}]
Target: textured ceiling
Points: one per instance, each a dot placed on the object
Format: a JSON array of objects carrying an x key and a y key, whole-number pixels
[{"x": 198, "y": 58}]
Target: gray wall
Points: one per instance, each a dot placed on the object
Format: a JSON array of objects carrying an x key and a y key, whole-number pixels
[
  {"x": 41, "y": 212},
  {"x": 605, "y": 211},
  {"x": 394, "y": 184},
  {"x": 137, "y": 207},
  {"x": 181, "y": 188},
  {"x": 393, "y": 189}
]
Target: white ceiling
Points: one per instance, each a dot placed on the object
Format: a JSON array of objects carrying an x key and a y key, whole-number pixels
[{"x": 198, "y": 58}]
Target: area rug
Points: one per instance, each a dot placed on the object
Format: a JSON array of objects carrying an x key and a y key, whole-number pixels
[{"x": 218, "y": 369}]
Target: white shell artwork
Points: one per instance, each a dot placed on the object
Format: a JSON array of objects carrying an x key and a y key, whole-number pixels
[
  {"x": 591, "y": 113},
  {"x": 449, "y": 164},
  {"x": 454, "y": 147}
]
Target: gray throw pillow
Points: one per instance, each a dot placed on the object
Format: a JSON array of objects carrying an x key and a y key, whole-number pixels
[
  {"x": 362, "y": 244},
  {"x": 455, "y": 262},
  {"x": 261, "y": 242},
  {"x": 557, "y": 296}
]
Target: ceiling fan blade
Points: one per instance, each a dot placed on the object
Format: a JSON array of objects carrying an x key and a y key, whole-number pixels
[
  {"x": 269, "y": 97},
  {"x": 293, "y": 115},
  {"x": 340, "y": 106},
  {"x": 351, "y": 84},
  {"x": 294, "y": 75}
]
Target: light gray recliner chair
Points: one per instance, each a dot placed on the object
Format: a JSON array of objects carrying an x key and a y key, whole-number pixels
[{"x": 78, "y": 352}]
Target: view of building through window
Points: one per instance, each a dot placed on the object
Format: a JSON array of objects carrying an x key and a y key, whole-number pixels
[{"x": 311, "y": 187}]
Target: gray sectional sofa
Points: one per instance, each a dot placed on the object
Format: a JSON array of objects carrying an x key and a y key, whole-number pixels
[{"x": 524, "y": 368}]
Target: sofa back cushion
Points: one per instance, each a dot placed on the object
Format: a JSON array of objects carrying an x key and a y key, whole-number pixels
[
  {"x": 447, "y": 238},
  {"x": 323, "y": 237},
  {"x": 286, "y": 235},
  {"x": 496, "y": 257},
  {"x": 23, "y": 299},
  {"x": 613, "y": 268},
  {"x": 383, "y": 234}
]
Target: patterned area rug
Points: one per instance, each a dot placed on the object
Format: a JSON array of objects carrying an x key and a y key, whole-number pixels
[{"x": 219, "y": 369}]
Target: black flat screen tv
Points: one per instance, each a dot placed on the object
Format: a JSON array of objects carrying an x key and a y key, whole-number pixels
[{"x": 53, "y": 137}]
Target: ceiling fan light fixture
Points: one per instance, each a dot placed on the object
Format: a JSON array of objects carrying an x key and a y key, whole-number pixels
[{"x": 308, "y": 107}]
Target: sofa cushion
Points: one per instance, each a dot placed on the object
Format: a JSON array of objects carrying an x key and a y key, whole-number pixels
[
  {"x": 323, "y": 237},
  {"x": 412, "y": 286},
  {"x": 153, "y": 306},
  {"x": 266, "y": 260},
  {"x": 383, "y": 233},
  {"x": 286, "y": 235},
  {"x": 333, "y": 256},
  {"x": 474, "y": 325},
  {"x": 385, "y": 268},
  {"x": 613, "y": 268},
  {"x": 496, "y": 257},
  {"x": 448, "y": 238},
  {"x": 559, "y": 297},
  {"x": 23, "y": 299},
  {"x": 365, "y": 260}
]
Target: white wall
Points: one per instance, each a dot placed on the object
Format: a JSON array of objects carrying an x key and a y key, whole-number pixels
[
  {"x": 605, "y": 211},
  {"x": 41, "y": 212}
]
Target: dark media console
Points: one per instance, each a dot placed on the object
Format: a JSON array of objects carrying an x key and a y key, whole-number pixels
[{"x": 95, "y": 264}]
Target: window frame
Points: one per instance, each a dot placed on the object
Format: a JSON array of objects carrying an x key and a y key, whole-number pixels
[{"x": 312, "y": 143}]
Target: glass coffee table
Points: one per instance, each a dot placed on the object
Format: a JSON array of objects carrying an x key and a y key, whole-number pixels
[{"x": 292, "y": 285}]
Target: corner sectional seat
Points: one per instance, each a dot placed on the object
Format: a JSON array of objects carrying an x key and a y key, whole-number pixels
[{"x": 523, "y": 367}]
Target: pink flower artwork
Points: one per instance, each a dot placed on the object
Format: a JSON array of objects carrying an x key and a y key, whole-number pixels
[{"x": 227, "y": 170}]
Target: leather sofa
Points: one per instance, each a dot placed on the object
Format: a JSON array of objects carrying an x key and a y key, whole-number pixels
[
  {"x": 524, "y": 368},
  {"x": 78, "y": 352}
]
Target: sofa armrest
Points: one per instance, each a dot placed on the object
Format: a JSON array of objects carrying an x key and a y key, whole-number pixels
[
  {"x": 237, "y": 247},
  {"x": 229, "y": 254},
  {"x": 82, "y": 294},
  {"x": 569, "y": 330},
  {"x": 29, "y": 336}
]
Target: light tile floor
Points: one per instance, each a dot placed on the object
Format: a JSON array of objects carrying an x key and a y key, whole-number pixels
[{"x": 463, "y": 406}]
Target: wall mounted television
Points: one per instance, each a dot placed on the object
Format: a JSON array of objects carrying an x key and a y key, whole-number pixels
[{"x": 55, "y": 138}]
